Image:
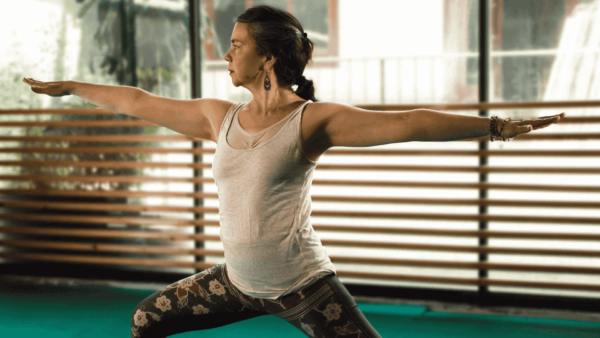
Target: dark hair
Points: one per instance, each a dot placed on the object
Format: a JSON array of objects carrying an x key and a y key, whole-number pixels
[{"x": 280, "y": 34}]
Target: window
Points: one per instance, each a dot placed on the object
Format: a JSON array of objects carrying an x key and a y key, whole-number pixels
[
  {"x": 318, "y": 18},
  {"x": 541, "y": 50}
]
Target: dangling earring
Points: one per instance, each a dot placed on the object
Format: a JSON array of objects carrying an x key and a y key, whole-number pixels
[{"x": 267, "y": 83}]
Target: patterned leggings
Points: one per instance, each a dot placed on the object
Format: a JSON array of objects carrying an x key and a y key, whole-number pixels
[{"x": 208, "y": 300}]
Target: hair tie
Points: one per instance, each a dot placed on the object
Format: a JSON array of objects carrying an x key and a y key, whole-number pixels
[{"x": 304, "y": 35}]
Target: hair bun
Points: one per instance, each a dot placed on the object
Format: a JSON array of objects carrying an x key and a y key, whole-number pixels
[{"x": 300, "y": 80}]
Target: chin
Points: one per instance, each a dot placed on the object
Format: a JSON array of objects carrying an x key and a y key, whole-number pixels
[{"x": 235, "y": 83}]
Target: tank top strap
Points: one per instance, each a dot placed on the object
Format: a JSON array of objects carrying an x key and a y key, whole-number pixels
[{"x": 230, "y": 113}]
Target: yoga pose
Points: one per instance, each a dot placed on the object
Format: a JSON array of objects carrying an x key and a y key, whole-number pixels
[{"x": 263, "y": 168}]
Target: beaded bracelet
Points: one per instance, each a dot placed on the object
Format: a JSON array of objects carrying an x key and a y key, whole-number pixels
[{"x": 494, "y": 128}]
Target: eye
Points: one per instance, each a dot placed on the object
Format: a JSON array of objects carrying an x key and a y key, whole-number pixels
[{"x": 235, "y": 46}]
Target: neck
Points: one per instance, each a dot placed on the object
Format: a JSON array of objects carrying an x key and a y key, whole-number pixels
[{"x": 272, "y": 103}]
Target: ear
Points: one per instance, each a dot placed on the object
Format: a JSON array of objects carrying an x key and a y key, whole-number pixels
[{"x": 270, "y": 61}]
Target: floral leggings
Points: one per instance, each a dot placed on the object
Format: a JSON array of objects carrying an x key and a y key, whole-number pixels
[{"x": 208, "y": 300}]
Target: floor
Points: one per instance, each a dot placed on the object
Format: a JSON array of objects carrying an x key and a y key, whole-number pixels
[{"x": 56, "y": 307}]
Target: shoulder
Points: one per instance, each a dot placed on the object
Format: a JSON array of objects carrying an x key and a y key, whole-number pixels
[
  {"x": 324, "y": 111},
  {"x": 215, "y": 110},
  {"x": 328, "y": 107},
  {"x": 318, "y": 115}
]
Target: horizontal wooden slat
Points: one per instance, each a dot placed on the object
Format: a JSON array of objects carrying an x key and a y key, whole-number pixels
[
  {"x": 100, "y": 233},
  {"x": 345, "y": 183},
  {"x": 358, "y": 199},
  {"x": 103, "y": 193},
  {"x": 103, "y": 207},
  {"x": 100, "y": 138},
  {"x": 466, "y": 265},
  {"x": 102, "y": 248},
  {"x": 176, "y": 250},
  {"x": 97, "y": 219},
  {"x": 457, "y": 217},
  {"x": 103, "y": 164},
  {"x": 104, "y": 260},
  {"x": 340, "y": 273},
  {"x": 57, "y": 111},
  {"x": 484, "y": 106},
  {"x": 339, "y": 152},
  {"x": 424, "y": 201},
  {"x": 457, "y": 233},
  {"x": 98, "y": 178},
  {"x": 379, "y": 107},
  {"x": 467, "y": 281},
  {"x": 85, "y": 150},
  {"x": 314, "y": 213},
  {"x": 458, "y": 185},
  {"x": 461, "y": 153},
  {"x": 79, "y": 124},
  {"x": 317, "y": 227},
  {"x": 420, "y": 168},
  {"x": 408, "y": 262}
]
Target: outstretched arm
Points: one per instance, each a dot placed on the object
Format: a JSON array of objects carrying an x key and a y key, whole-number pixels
[
  {"x": 437, "y": 126},
  {"x": 347, "y": 126}
]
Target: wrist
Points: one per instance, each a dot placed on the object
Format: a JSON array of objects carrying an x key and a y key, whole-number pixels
[
  {"x": 500, "y": 126},
  {"x": 495, "y": 127},
  {"x": 70, "y": 87}
]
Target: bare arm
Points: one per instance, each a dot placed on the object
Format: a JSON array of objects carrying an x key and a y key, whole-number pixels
[
  {"x": 436, "y": 126},
  {"x": 198, "y": 118},
  {"x": 118, "y": 99},
  {"x": 188, "y": 117},
  {"x": 347, "y": 126}
]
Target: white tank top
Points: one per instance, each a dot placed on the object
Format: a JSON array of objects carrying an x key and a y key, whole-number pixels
[{"x": 263, "y": 182}]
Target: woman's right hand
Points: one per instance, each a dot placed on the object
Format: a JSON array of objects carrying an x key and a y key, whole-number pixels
[{"x": 54, "y": 89}]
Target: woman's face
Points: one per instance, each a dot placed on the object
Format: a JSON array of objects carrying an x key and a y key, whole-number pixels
[{"x": 245, "y": 66}]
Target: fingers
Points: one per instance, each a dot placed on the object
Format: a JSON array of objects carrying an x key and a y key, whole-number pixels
[
  {"x": 557, "y": 116},
  {"x": 32, "y": 81},
  {"x": 36, "y": 86},
  {"x": 546, "y": 122}
]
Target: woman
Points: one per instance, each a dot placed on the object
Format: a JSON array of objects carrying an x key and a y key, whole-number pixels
[{"x": 263, "y": 167}]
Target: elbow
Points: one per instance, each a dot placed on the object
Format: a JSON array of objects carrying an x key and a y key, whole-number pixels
[{"x": 419, "y": 123}]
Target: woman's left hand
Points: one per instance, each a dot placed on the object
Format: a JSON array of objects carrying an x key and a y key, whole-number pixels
[{"x": 513, "y": 128}]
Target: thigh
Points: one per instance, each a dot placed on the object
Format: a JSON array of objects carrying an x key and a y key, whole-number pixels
[
  {"x": 199, "y": 302},
  {"x": 326, "y": 309}
]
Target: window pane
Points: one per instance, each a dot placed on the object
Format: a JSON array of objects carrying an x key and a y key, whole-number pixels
[
  {"x": 225, "y": 14},
  {"x": 545, "y": 50},
  {"x": 136, "y": 43},
  {"x": 373, "y": 52},
  {"x": 281, "y": 4},
  {"x": 313, "y": 15}
]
